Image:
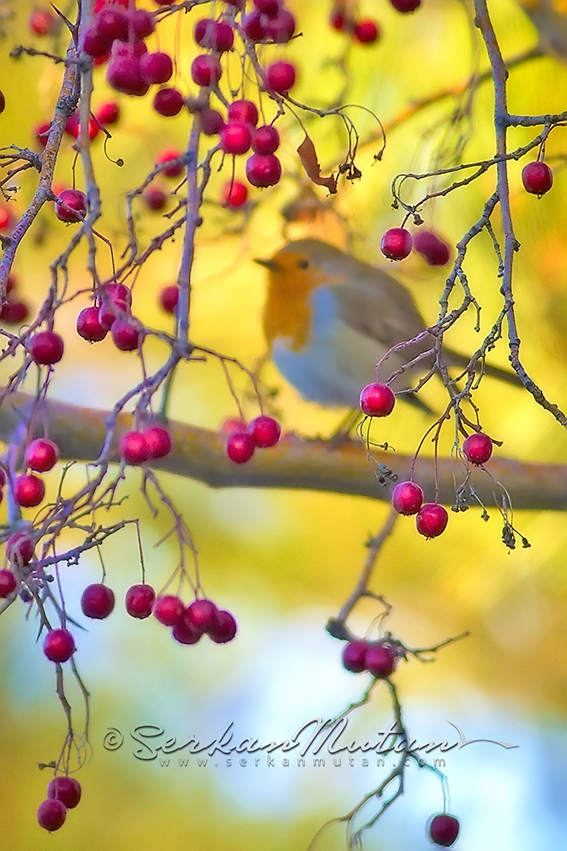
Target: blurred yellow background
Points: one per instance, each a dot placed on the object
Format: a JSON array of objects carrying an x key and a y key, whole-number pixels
[{"x": 285, "y": 562}]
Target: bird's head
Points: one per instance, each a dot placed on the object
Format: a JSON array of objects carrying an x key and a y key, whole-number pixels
[{"x": 300, "y": 266}]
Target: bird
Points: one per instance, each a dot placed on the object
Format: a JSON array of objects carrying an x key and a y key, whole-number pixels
[{"x": 328, "y": 319}]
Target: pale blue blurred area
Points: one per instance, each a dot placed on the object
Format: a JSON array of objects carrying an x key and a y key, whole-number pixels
[{"x": 281, "y": 673}]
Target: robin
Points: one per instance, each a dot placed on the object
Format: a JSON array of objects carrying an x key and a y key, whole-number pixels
[{"x": 329, "y": 318}]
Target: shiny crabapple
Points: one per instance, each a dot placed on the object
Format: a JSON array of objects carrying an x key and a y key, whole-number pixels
[
  {"x": 139, "y": 601},
  {"x": 477, "y": 448},
  {"x": 125, "y": 336},
  {"x": 431, "y": 520},
  {"x": 224, "y": 628},
  {"x": 42, "y": 22},
  {"x": 20, "y": 548},
  {"x": 407, "y": 498},
  {"x": 59, "y": 645},
  {"x": 168, "y": 609},
  {"x": 142, "y": 23},
  {"x": 29, "y": 490},
  {"x": 97, "y": 601},
  {"x": 65, "y": 789},
  {"x": 380, "y": 660},
  {"x": 156, "y": 68},
  {"x": 71, "y": 205},
  {"x": 280, "y": 28},
  {"x": 405, "y": 6},
  {"x": 159, "y": 440},
  {"x": 89, "y": 325},
  {"x": 280, "y": 77},
  {"x": 168, "y": 102},
  {"x": 134, "y": 448},
  {"x": 184, "y": 632},
  {"x": 244, "y": 111},
  {"x": 46, "y": 348},
  {"x": 167, "y": 159},
  {"x": 51, "y": 814},
  {"x": 214, "y": 35},
  {"x": 206, "y": 70},
  {"x": 211, "y": 121},
  {"x": 444, "y": 829},
  {"x": 266, "y": 431},
  {"x": 537, "y": 178},
  {"x": 201, "y": 614},
  {"x": 432, "y": 248},
  {"x": 396, "y": 244},
  {"x": 108, "y": 113},
  {"x": 234, "y": 194},
  {"x": 124, "y": 74},
  {"x": 41, "y": 454},
  {"x": 240, "y": 447},
  {"x": 366, "y": 32},
  {"x": 254, "y": 27},
  {"x": 265, "y": 140},
  {"x": 263, "y": 170},
  {"x": 8, "y": 583},
  {"x": 354, "y": 656},
  {"x": 155, "y": 197},
  {"x": 235, "y": 138},
  {"x": 377, "y": 400}
]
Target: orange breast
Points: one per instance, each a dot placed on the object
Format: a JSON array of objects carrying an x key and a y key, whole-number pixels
[{"x": 288, "y": 312}]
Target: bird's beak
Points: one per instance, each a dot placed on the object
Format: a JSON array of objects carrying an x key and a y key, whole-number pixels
[{"x": 268, "y": 264}]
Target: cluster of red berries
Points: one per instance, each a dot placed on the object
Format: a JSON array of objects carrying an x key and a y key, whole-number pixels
[
  {"x": 397, "y": 244},
  {"x": 365, "y": 31},
  {"x": 379, "y": 658},
  {"x": 189, "y": 623},
  {"x": 113, "y": 312},
  {"x": 242, "y": 441},
  {"x": 14, "y": 311},
  {"x": 137, "y": 447},
  {"x": 106, "y": 115},
  {"x": 63, "y": 793},
  {"x": 41, "y": 455},
  {"x": 20, "y": 550}
]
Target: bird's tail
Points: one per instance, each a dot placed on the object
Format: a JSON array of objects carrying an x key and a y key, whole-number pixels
[{"x": 507, "y": 375}]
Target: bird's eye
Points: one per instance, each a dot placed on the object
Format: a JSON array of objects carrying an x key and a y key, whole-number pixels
[{"x": 303, "y": 264}]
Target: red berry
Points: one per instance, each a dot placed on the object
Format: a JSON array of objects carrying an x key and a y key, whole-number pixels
[
  {"x": 254, "y": 26},
  {"x": 140, "y": 600},
  {"x": 168, "y": 102},
  {"x": 97, "y": 602},
  {"x": 184, "y": 632},
  {"x": 230, "y": 425},
  {"x": 46, "y": 348},
  {"x": 112, "y": 23},
  {"x": 339, "y": 21},
  {"x": 380, "y": 660},
  {"x": 169, "y": 298},
  {"x": 42, "y": 132},
  {"x": 142, "y": 23},
  {"x": 71, "y": 205},
  {"x": 72, "y": 127},
  {"x": 174, "y": 169},
  {"x": 51, "y": 814},
  {"x": 432, "y": 248},
  {"x": 42, "y": 22},
  {"x": 155, "y": 197},
  {"x": 477, "y": 448},
  {"x": 281, "y": 27},
  {"x": 280, "y": 77},
  {"x": 206, "y": 70},
  {"x": 366, "y": 32},
  {"x": 124, "y": 74},
  {"x": 377, "y": 400},
  {"x": 14, "y": 311},
  {"x": 201, "y": 614},
  {"x": 443, "y": 829},
  {"x": 7, "y": 583},
  {"x": 134, "y": 448},
  {"x": 263, "y": 170},
  {"x": 59, "y": 645},
  {"x": 5, "y": 218},
  {"x": 396, "y": 243},
  {"x": 266, "y": 431},
  {"x": 240, "y": 447},
  {"x": 211, "y": 122},
  {"x": 29, "y": 490},
  {"x": 234, "y": 194},
  {"x": 42, "y": 455},
  {"x": 223, "y": 629},
  {"x": 354, "y": 656},
  {"x": 235, "y": 138},
  {"x": 65, "y": 789},
  {"x": 20, "y": 548},
  {"x": 168, "y": 610},
  {"x": 214, "y": 35},
  {"x": 156, "y": 67},
  {"x": 244, "y": 111},
  {"x": 405, "y": 6},
  {"x": 431, "y": 520},
  {"x": 125, "y": 335},
  {"x": 159, "y": 440},
  {"x": 108, "y": 113},
  {"x": 537, "y": 178},
  {"x": 407, "y": 498},
  {"x": 89, "y": 326},
  {"x": 265, "y": 140},
  {"x": 94, "y": 44}
]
